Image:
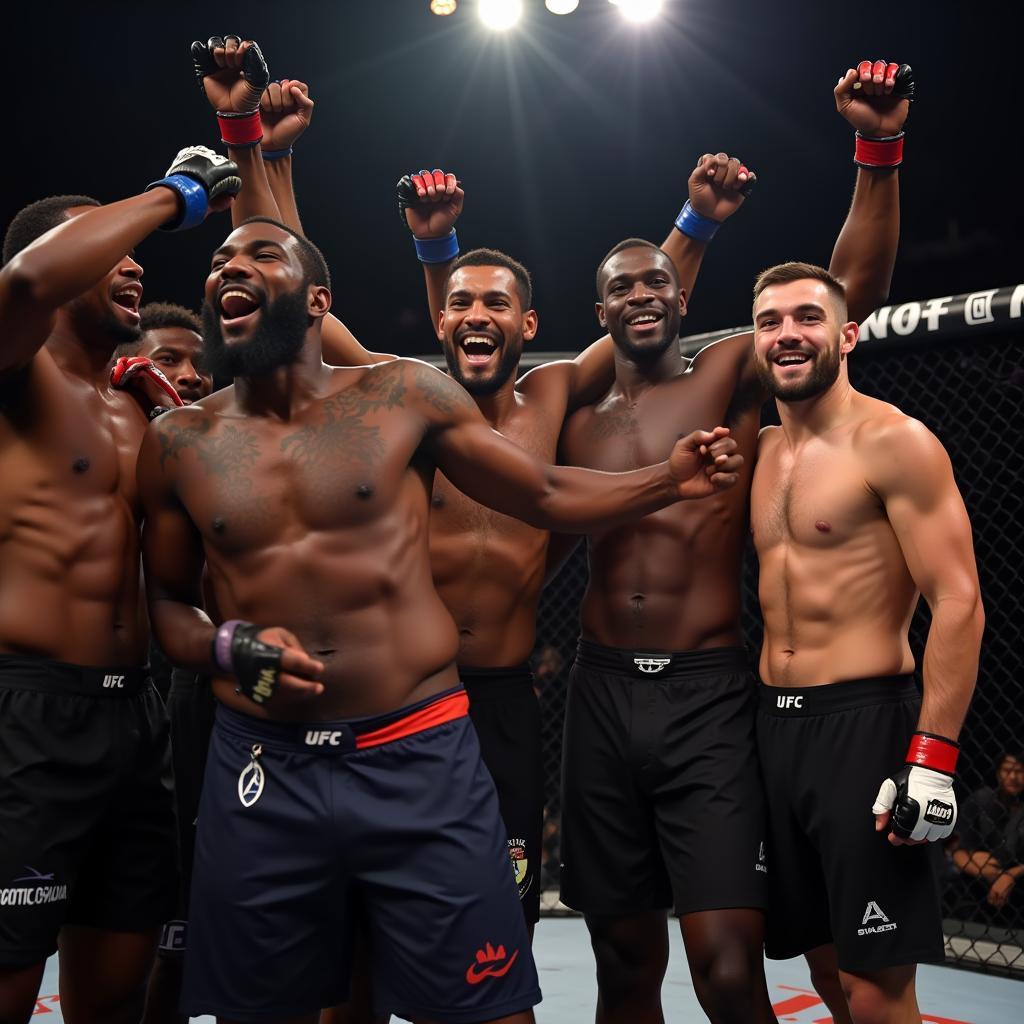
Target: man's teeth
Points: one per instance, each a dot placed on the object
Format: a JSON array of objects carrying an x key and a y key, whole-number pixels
[
  {"x": 647, "y": 318},
  {"x": 791, "y": 360}
]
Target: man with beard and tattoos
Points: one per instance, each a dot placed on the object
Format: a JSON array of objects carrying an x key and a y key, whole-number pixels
[
  {"x": 662, "y": 803},
  {"x": 855, "y": 516},
  {"x": 342, "y": 758},
  {"x": 87, "y": 860},
  {"x": 488, "y": 567}
]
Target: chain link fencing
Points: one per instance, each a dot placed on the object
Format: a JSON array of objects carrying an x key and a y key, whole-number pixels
[{"x": 956, "y": 364}]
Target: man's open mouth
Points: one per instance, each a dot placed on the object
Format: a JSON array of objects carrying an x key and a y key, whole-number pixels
[
  {"x": 478, "y": 348},
  {"x": 128, "y": 297},
  {"x": 236, "y": 305}
]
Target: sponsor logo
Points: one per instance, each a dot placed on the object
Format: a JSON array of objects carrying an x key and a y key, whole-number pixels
[
  {"x": 873, "y": 912},
  {"x": 25, "y": 890},
  {"x": 250, "y": 783},
  {"x": 490, "y": 963},
  {"x": 115, "y": 682},
  {"x": 173, "y": 936},
  {"x": 651, "y": 665},
  {"x": 520, "y": 865},
  {"x": 318, "y": 737},
  {"x": 938, "y": 812},
  {"x": 789, "y": 702},
  {"x": 264, "y": 687},
  {"x": 760, "y": 865}
]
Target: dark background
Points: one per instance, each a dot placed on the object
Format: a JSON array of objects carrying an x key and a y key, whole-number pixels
[{"x": 569, "y": 133}]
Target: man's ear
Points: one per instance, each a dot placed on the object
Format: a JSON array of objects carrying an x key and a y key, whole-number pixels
[
  {"x": 530, "y": 325},
  {"x": 319, "y": 304},
  {"x": 849, "y": 334},
  {"x": 439, "y": 326},
  {"x": 682, "y": 302},
  {"x": 599, "y": 310}
]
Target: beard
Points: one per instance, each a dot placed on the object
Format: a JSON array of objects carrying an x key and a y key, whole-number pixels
[
  {"x": 482, "y": 387},
  {"x": 648, "y": 351},
  {"x": 109, "y": 327},
  {"x": 824, "y": 372},
  {"x": 277, "y": 340}
]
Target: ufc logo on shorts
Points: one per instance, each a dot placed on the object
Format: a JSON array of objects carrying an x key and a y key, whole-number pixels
[
  {"x": 789, "y": 702},
  {"x": 116, "y": 682},
  {"x": 318, "y": 737}
]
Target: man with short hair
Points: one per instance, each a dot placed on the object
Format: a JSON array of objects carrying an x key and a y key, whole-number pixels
[
  {"x": 855, "y": 515},
  {"x": 172, "y": 337},
  {"x": 87, "y": 861}
]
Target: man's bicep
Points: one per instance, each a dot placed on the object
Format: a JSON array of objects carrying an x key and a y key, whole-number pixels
[{"x": 24, "y": 325}]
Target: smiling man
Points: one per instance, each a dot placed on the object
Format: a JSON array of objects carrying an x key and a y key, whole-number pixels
[
  {"x": 87, "y": 858},
  {"x": 172, "y": 338}
]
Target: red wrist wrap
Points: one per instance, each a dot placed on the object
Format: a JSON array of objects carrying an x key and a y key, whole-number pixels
[
  {"x": 244, "y": 130},
  {"x": 878, "y": 152},
  {"x": 933, "y": 752}
]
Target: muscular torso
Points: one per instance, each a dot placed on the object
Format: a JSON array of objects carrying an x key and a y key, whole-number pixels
[
  {"x": 319, "y": 524},
  {"x": 489, "y": 567},
  {"x": 835, "y": 591},
  {"x": 69, "y": 547},
  {"x": 669, "y": 581}
]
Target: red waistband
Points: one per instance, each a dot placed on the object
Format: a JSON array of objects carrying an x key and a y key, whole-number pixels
[{"x": 447, "y": 709}]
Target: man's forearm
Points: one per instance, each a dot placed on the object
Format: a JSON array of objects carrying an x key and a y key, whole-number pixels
[
  {"x": 435, "y": 275},
  {"x": 686, "y": 254},
  {"x": 184, "y": 633},
  {"x": 951, "y": 664},
  {"x": 279, "y": 175},
  {"x": 256, "y": 198}
]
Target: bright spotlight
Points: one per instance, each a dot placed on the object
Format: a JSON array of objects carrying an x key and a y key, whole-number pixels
[
  {"x": 500, "y": 14},
  {"x": 443, "y": 7},
  {"x": 639, "y": 10},
  {"x": 561, "y": 6}
]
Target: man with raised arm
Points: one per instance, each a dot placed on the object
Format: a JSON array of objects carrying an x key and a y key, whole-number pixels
[
  {"x": 488, "y": 567},
  {"x": 87, "y": 858},
  {"x": 662, "y": 804},
  {"x": 855, "y": 516}
]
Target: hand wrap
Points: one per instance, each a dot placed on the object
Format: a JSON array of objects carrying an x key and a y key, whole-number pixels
[
  {"x": 254, "y": 664},
  {"x": 198, "y": 175},
  {"x": 880, "y": 153},
  {"x": 920, "y": 795},
  {"x": 145, "y": 378}
]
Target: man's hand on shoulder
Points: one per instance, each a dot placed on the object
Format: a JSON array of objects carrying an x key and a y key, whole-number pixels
[
  {"x": 430, "y": 202},
  {"x": 719, "y": 185}
]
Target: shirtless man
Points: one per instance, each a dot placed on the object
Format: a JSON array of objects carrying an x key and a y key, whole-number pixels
[
  {"x": 351, "y": 769},
  {"x": 172, "y": 339},
  {"x": 488, "y": 567},
  {"x": 855, "y": 515},
  {"x": 662, "y": 803},
  {"x": 87, "y": 859}
]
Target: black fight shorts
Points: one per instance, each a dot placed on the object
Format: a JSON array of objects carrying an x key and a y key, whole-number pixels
[
  {"x": 86, "y": 807},
  {"x": 831, "y": 877},
  {"x": 506, "y": 715},
  {"x": 661, "y": 798}
]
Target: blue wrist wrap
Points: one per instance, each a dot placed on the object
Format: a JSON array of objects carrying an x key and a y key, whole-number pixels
[
  {"x": 437, "y": 250},
  {"x": 193, "y": 198},
  {"x": 276, "y": 154},
  {"x": 696, "y": 225}
]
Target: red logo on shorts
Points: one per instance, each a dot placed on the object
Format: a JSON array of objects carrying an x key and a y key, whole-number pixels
[{"x": 489, "y": 964}]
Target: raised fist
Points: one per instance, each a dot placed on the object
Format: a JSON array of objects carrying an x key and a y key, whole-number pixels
[
  {"x": 429, "y": 202},
  {"x": 286, "y": 111},
  {"x": 718, "y": 185},
  {"x": 231, "y": 72},
  {"x": 704, "y": 463},
  {"x": 875, "y": 97}
]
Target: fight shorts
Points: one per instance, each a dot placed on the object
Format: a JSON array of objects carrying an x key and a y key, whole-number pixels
[
  {"x": 661, "y": 798},
  {"x": 86, "y": 804},
  {"x": 506, "y": 715},
  {"x": 301, "y": 822},
  {"x": 832, "y": 878},
  {"x": 190, "y": 707}
]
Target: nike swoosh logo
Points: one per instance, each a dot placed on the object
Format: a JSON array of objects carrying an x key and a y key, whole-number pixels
[{"x": 489, "y": 970}]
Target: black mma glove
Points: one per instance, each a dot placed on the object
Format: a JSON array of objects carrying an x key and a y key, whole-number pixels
[{"x": 198, "y": 175}]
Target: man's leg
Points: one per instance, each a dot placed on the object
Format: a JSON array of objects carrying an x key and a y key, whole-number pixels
[
  {"x": 886, "y": 996},
  {"x": 632, "y": 956},
  {"x": 725, "y": 952},
  {"x": 103, "y": 974},
  {"x": 19, "y": 987},
  {"x": 526, "y": 1017},
  {"x": 164, "y": 991},
  {"x": 825, "y": 979},
  {"x": 305, "y": 1018}
]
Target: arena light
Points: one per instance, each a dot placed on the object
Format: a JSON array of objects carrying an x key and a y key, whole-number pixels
[
  {"x": 639, "y": 10},
  {"x": 561, "y": 6},
  {"x": 443, "y": 7},
  {"x": 500, "y": 14}
]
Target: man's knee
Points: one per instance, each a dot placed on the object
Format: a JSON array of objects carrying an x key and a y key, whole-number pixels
[
  {"x": 19, "y": 987},
  {"x": 884, "y": 997},
  {"x": 631, "y": 953}
]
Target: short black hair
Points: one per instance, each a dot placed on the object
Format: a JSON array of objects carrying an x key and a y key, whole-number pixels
[
  {"x": 313, "y": 263},
  {"x": 37, "y": 218},
  {"x": 629, "y": 243},
  {"x": 156, "y": 315},
  {"x": 496, "y": 258}
]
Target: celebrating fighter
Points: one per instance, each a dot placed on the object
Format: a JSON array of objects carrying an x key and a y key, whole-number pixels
[
  {"x": 662, "y": 804},
  {"x": 87, "y": 861},
  {"x": 855, "y": 515}
]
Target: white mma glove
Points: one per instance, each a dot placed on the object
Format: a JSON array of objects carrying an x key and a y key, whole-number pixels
[{"x": 920, "y": 795}]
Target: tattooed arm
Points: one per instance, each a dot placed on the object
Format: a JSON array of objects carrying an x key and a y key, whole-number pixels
[{"x": 499, "y": 474}]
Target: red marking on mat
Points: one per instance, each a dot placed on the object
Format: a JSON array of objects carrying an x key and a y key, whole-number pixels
[
  {"x": 796, "y": 1003},
  {"x": 806, "y": 999},
  {"x": 40, "y": 1008}
]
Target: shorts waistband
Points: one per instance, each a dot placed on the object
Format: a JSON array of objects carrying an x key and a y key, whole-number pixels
[
  {"x": 46, "y": 676},
  {"x": 807, "y": 701},
  {"x": 481, "y": 683},
  {"x": 348, "y": 735},
  {"x": 663, "y": 664}
]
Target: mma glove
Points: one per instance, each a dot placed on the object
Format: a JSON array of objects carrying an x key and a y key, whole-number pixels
[
  {"x": 237, "y": 127},
  {"x": 879, "y": 153},
  {"x": 428, "y": 250},
  {"x": 254, "y": 664},
  {"x": 198, "y": 175},
  {"x": 147, "y": 381},
  {"x": 920, "y": 795}
]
